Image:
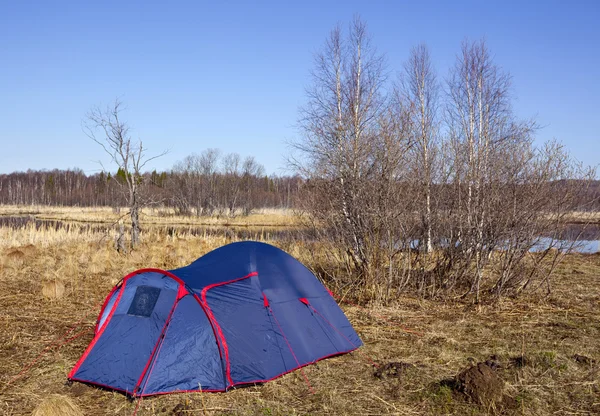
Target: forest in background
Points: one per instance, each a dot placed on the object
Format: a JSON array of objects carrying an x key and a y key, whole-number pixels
[{"x": 190, "y": 193}]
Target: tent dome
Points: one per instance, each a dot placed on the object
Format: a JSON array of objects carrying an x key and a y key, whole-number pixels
[{"x": 242, "y": 314}]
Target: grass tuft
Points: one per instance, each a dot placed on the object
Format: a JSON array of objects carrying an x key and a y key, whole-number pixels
[
  {"x": 57, "y": 405},
  {"x": 53, "y": 289}
]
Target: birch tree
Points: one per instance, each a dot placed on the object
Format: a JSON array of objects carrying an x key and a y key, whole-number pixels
[
  {"x": 352, "y": 153},
  {"x": 419, "y": 90},
  {"x": 483, "y": 131}
]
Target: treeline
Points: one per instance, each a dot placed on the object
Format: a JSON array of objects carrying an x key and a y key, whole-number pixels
[
  {"x": 188, "y": 191},
  {"x": 226, "y": 189}
]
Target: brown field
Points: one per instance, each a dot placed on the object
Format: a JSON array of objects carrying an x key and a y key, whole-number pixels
[
  {"x": 542, "y": 352},
  {"x": 584, "y": 217},
  {"x": 270, "y": 217}
]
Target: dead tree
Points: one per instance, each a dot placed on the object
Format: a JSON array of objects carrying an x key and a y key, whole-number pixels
[{"x": 106, "y": 127}]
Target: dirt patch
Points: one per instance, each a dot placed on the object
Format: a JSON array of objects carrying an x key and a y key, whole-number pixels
[
  {"x": 78, "y": 389},
  {"x": 480, "y": 383},
  {"x": 392, "y": 369},
  {"x": 182, "y": 409}
]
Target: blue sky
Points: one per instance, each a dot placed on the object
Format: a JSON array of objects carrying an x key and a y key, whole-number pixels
[{"x": 232, "y": 75}]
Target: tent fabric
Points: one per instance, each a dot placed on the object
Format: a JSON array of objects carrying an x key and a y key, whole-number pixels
[{"x": 242, "y": 314}]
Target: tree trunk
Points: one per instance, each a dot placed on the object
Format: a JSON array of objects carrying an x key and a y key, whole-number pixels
[{"x": 135, "y": 220}]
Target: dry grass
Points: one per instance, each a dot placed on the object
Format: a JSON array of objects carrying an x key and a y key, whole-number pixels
[
  {"x": 30, "y": 235},
  {"x": 538, "y": 341},
  {"x": 53, "y": 289},
  {"x": 268, "y": 217},
  {"x": 584, "y": 217},
  {"x": 57, "y": 405}
]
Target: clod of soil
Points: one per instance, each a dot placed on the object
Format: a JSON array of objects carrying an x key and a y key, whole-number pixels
[
  {"x": 78, "y": 389},
  {"x": 392, "y": 369},
  {"x": 493, "y": 362},
  {"x": 582, "y": 359},
  {"x": 519, "y": 361},
  {"x": 480, "y": 383},
  {"x": 57, "y": 405},
  {"x": 181, "y": 410}
]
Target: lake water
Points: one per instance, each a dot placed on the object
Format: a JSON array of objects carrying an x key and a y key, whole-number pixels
[{"x": 581, "y": 246}]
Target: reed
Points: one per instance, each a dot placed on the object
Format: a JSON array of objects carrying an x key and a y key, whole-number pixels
[{"x": 152, "y": 215}]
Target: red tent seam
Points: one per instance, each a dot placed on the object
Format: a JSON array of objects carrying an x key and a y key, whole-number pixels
[
  {"x": 211, "y": 316},
  {"x": 158, "y": 343},
  {"x": 291, "y": 350}
]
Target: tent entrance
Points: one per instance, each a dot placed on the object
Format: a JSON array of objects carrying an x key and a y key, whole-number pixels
[{"x": 120, "y": 354}]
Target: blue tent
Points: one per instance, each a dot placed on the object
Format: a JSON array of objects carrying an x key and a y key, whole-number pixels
[{"x": 244, "y": 313}]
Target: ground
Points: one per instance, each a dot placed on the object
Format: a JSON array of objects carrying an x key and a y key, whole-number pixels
[{"x": 535, "y": 355}]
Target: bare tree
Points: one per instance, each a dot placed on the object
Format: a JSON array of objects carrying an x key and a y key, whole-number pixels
[
  {"x": 352, "y": 153},
  {"x": 231, "y": 165},
  {"x": 251, "y": 170},
  {"x": 129, "y": 156},
  {"x": 238, "y": 177},
  {"x": 418, "y": 88},
  {"x": 541, "y": 187},
  {"x": 342, "y": 112},
  {"x": 195, "y": 178},
  {"x": 484, "y": 135},
  {"x": 209, "y": 165},
  {"x": 480, "y": 119}
]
